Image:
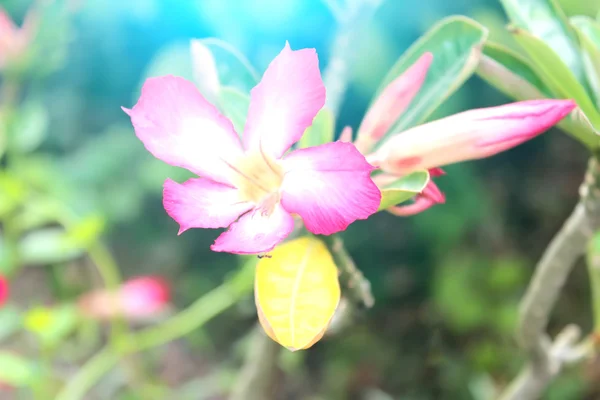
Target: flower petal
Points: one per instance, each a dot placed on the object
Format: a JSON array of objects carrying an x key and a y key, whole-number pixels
[
  {"x": 178, "y": 126},
  {"x": 256, "y": 232},
  {"x": 285, "y": 102},
  {"x": 469, "y": 135},
  {"x": 329, "y": 186},
  {"x": 202, "y": 203}
]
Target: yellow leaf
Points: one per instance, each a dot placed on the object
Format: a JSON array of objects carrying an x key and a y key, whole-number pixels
[{"x": 296, "y": 292}]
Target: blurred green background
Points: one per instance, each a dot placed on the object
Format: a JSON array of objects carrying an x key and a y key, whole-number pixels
[{"x": 447, "y": 282}]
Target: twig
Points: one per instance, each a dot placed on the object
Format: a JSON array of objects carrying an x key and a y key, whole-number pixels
[
  {"x": 258, "y": 375},
  {"x": 359, "y": 286},
  {"x": 337, "y": 74},
  {"x": 548, "y": 280}
]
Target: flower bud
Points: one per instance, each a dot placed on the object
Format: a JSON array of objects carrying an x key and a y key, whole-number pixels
[
  {"x": 391, "y": 103},
  {"x": 469, "y": 135},
  {"x": 138, "y": 299}
]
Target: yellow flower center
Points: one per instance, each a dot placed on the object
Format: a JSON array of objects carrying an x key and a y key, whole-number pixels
[{"x": 258, "y": 179}]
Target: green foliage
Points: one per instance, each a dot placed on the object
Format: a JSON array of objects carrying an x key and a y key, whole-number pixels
[
  {"x": 403, "y": 189},
  {"x": 456, "y": 47},
  {"x": 321, "y": 131},
  {"x": 563, "y": 55}
]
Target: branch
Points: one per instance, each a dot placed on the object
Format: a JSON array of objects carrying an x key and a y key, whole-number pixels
[
  {"x": 258, "y": 376},
  {"x": 548, "y": 280},
  {"x": 355, "y": 281}
]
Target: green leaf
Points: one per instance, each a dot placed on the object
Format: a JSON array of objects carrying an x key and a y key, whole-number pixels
[
  {"x": 545, "y": 20},
  {"x": 589, "y": 36},
  {"x": 15, "y": 370},
  {"x": 10, "y": 321},
  {"x": 175, "y": 59},
  {"x": 321, "y": 131},
  {"x": 233, "y": 67},
  {"x": 499, "y": 63},
  {"x": 30, "y": 127},
  {"x": 47, "y": 246},
  {"x": 516, "y": 78},
  {"x": 455, "y": 43},
  {"x": 234, "y": 105},
  {"x": 86, "y": 231},
  {"x": 52, "y": 325},
  {"x": 403, "y": 189},
  {"x": 555, "y": 74},
  {"x": 13, "y": 192}
]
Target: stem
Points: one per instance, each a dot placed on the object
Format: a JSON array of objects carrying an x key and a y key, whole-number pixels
[
  {"x": 337, "y": 74},
  {"x": 360, "y": 287},
  {"x": 257, "y": 377},
  {"x": 200, "y": 312},
  {"x": 548, "y": 280},
  {"x": 89, "y": 375},
  {"x": 593, "y": 264}
]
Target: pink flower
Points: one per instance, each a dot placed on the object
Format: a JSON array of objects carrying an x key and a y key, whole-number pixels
[
  {"x": 137, "y": 299},
  {"x": 14, "y": 40},
  {"x": 4, "y": 290},
  {"x": 253, "y": 187},
  {"x": 465, "y": 136}
]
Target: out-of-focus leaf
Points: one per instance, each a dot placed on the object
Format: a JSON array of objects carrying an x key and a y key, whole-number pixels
[
  {"x": 321, "y": 131},
  {"x": 12, "y": 192},
  {"x": 15, "y": 370},
  {"x": 555, "y": 74},
  {"x": 175, "y": 59},
  {"x": 51, "y": 325},
  {"x": 233, "y": 67},
  {"x": 47, "y": 246},
  {"x": 36, "y": 212},
  {"x": 455, "y": 44},
  {"x": 234, "y": 105},
  {"x": 297, "y": 292},
  {"x": 403, "y": 189},
  {"x": 86, "y": 231},
  {"x": 516, "y": 78},
  {"x": 589, "y": 36},
  {"x": 10, "y": 321},
  {"x": 545, "y": 20},
  {"x": 205, "y": 71},
  {"x": 30, "y": 127}
]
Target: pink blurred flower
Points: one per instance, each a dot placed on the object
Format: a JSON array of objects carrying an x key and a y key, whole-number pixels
[
  {"x": 137, "y": 299},
  {"x": 4, "y": 290},
  {"x": 465, "y": 136},
  {"x": 251, "y": 187},
  {"x": 14, "y": 40}
]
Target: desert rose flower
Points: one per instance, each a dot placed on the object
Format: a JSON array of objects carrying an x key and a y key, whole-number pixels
[
  {"x": 252, "y": 186},
  {"x": 465, "y": 136},
  {"x": 137, "y": 299},
  {"x": 4, "y": 290}
]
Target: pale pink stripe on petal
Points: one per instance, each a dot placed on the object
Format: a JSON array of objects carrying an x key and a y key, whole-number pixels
[
  {"x": 329, "y": 186},
  {"x": 256, "y": 232},
  {"x": 178, "y": 126},
  {"x": 202, "y": 203},
  {"x": 285, "y": 102}
]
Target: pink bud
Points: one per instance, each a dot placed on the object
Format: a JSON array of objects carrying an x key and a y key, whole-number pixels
[
  {"x": 138, "y": 299},
  {"x": 391, "y": 103},
  {"x": 4, "y": 290},
  {"x": 346, "y": 135},
  {"x": 469, "y": 135}
]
